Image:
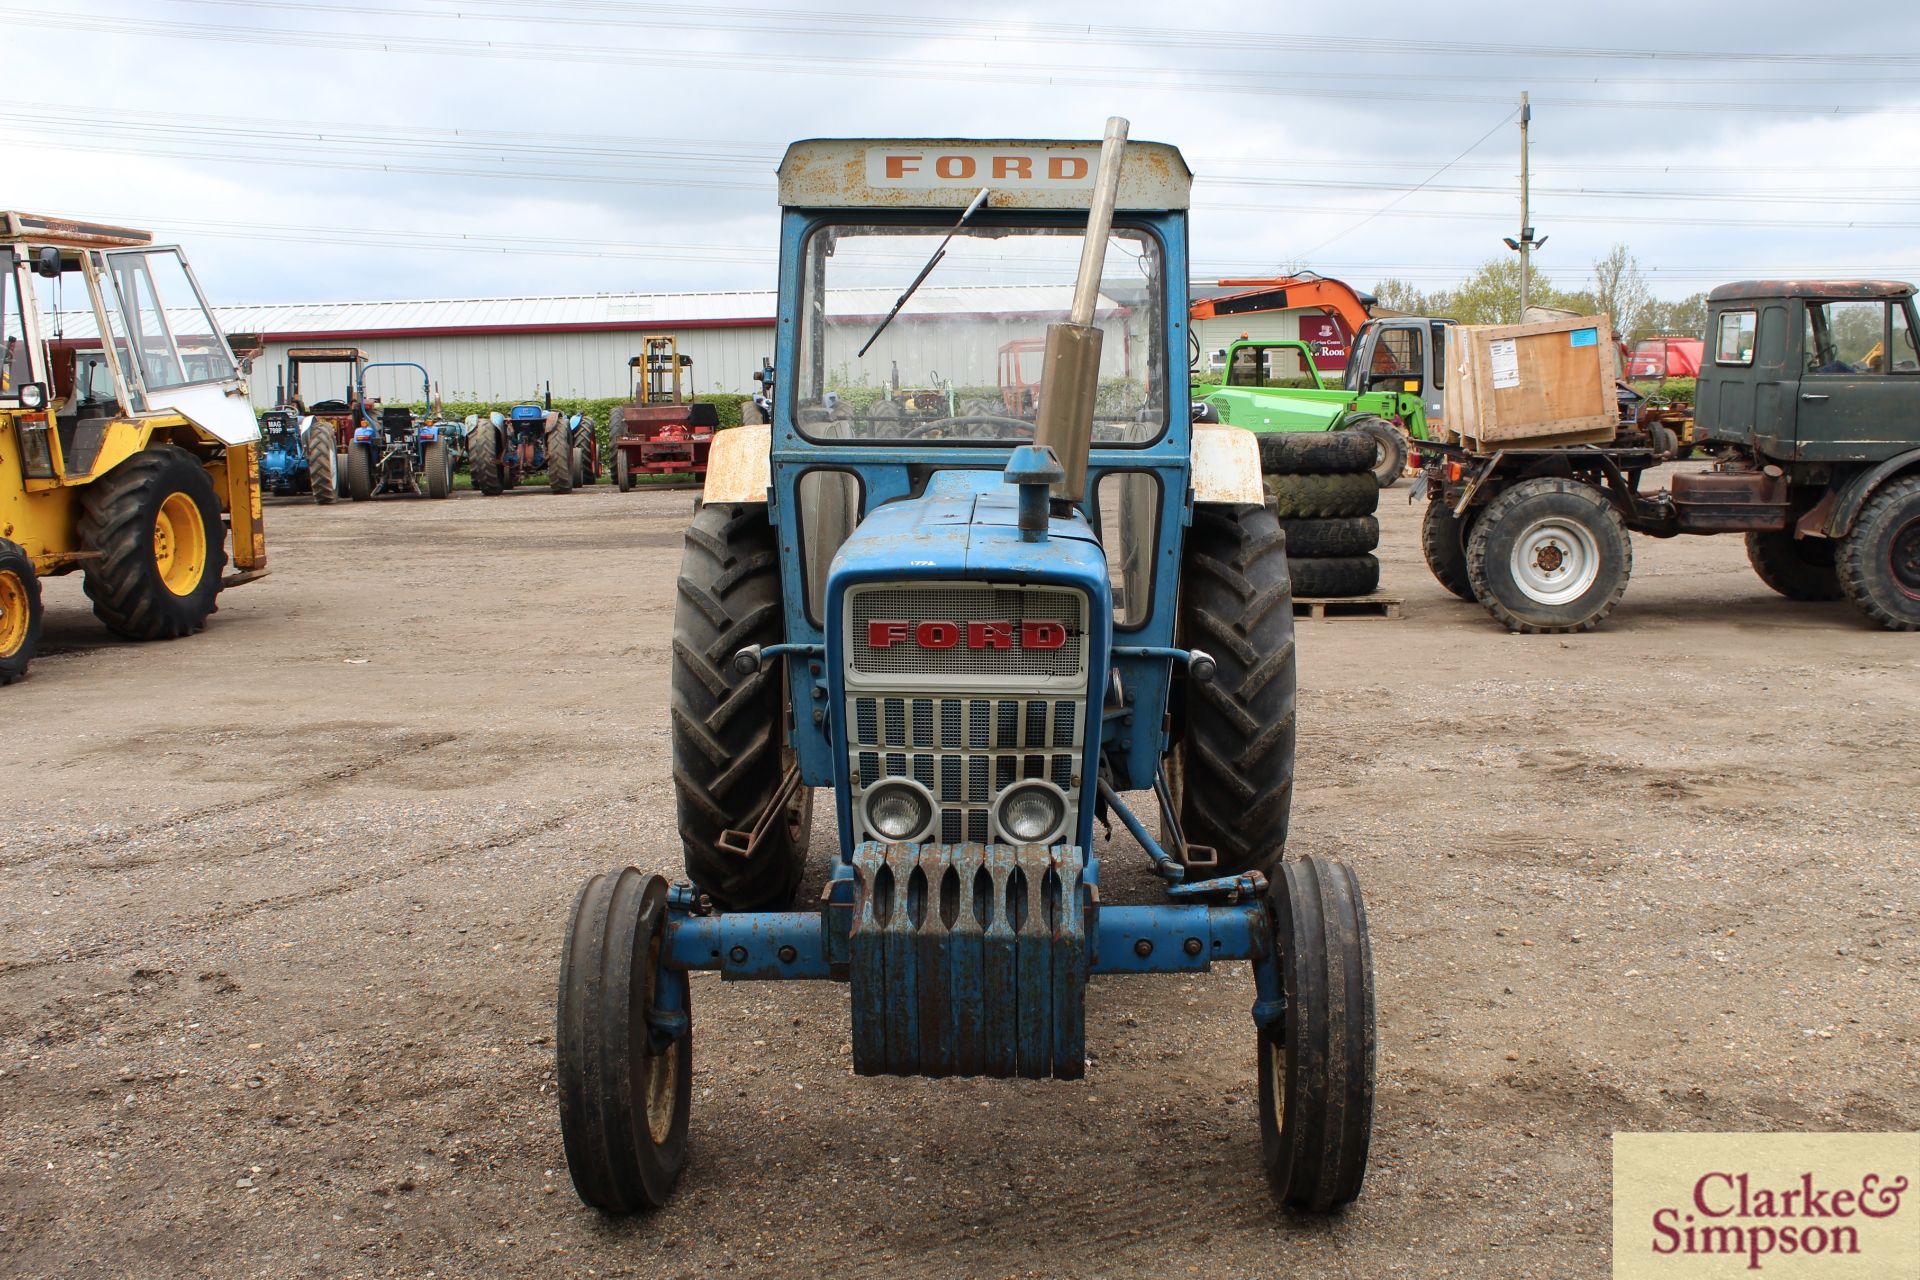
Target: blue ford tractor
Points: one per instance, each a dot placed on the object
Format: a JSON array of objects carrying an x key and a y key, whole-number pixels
[
  {"x": 981, "y": 635},
  {"x": 396, "y": 451},
  {"x": 303, "y": 443},
  {"x": 505, "y": 448}
]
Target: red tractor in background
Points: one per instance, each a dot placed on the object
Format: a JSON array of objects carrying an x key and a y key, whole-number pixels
[{"x": 661, "y": 432}]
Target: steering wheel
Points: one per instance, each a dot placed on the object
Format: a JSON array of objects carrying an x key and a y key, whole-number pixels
[{"x": 974, "y": 426}]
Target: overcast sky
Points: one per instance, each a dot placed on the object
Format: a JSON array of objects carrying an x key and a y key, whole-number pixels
[{"x": 376, "y": 149}]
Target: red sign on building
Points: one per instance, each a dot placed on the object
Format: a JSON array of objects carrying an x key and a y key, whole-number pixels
[{"x": 1330, "y": 339}]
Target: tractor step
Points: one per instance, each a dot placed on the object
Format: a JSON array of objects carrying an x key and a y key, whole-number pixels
[
  {"x": 242, "y": 578},
  {"x": 1374, "y": 606}
]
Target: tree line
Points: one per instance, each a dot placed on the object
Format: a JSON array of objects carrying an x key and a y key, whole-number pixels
[{"x": 1491, "y": 295}]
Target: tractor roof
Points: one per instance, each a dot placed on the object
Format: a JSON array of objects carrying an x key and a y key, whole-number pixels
[
  {"x": 945, "y": 173},
  {"x": 1756, "y": 289},
  {"x": 64, "y": 233}
]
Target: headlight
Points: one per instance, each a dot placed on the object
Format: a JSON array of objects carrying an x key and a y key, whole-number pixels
[
  {"x": 898, "y": 809},
  {"x": 1031, "y": 812},
  {"x": 33, "y": 395}
]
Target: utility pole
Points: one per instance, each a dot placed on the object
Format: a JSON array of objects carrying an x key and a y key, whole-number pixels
[{"x": 1526, "y": 244}]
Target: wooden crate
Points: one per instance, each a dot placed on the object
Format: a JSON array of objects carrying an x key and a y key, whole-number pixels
[{"x": 1521, "y": 385}]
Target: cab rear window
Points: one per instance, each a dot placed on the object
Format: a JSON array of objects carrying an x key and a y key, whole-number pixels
[{"x": 1734, "y": 344}]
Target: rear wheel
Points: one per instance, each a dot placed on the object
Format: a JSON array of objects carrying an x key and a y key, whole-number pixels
[
  {"x": 624, "y": 1072},
  {"x": 1390, "y": 449},
  {"x": 1798, "y": 568},
  {"x": 1879, "y": 561},
  {"x": 559, "y": 458},
  {"x": 360, "y": 472},
  {"x": 20, "y": 611},
  {"x": 1665, "y": 442},
  {"x": 1234, "y": 760},
  {"x": 1316, "y": 1061},
  {"x": 439, "y": 466},
  {"x": 319, "y": 450},
  {"x": 1549, "y": 556},
  {"x": 155, "y": 522},
  {"x": 1443, "y": 538},
  {"x": 483, "y": 459},
  {"x": 729, "y": 730}
]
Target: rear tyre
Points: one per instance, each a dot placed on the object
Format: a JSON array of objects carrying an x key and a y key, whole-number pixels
[
  {"x": 1798, "y": 568},
  {"x": 559, "y": 459},
  {"x": 729, "y": 729},
  {"x": 581, "y": 476},
  {"x": 20, "y": 611},
  {"x": 155, "y": 522},
  {"x": 1443, "y": 537},
  {"x": 439, "y": 466},
  {"x": 622, "y": 474},
  {"x": 1320, "y": 497},
  {"x": 1316, "y": 1061},
  {"x": 1389, "y": 462},
  {"x": 319, "y": 450},
  {"x": 1879, "y": 561},
  {"x": 625, "y": 1087},
  {"x": 1549, "y": 556},
  {"x": 1342, "y": 536},
  {"x": 1306, "y": 453},
  {"x": 360, "y": 472},
  {"x": 1333, "y": 577},
  {"x": 1234, "y": 758},
  {"x": 483, "y": 459}
]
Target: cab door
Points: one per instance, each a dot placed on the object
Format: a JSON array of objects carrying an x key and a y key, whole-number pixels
[
  {"x": 166, "y": 336},
  {"x": 1859, "y": 391}
]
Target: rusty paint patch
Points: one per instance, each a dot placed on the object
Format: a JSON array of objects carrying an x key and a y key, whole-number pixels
[
  {"x": 1745, "y": 290},
  {"x": 740, "y": 468},
  {"x": 835, "y": 173},
  {"x": 1226, "y": 465}
]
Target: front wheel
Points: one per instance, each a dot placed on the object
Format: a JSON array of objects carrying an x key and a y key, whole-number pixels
[
  {"x": 1879, "y": 560},
  {"x": 483, "y": 460},
  {"x": 360, "y": 472},
  {"x": 1549, "y": 556},
  {"x": 1316, "y": 1059},
  {"x": 623, "y": 1046},
  {"x": 622, "y": 472},
  {"x": 1234, "y": 760},
  {"x": 439, "y": 468},
  {"x": 154, "y": 522},
  {"x": 559, "y": 459},
  {"x": 20, "y": 611}
]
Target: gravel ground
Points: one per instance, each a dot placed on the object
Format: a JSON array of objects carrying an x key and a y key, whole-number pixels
[{"x": 280, "y": 909}]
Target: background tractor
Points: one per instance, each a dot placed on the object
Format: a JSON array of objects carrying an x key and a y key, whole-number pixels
[
  {"x": 133, "y": 465},
  {"x": 505, "y": 448},
  {"x": 395, "y": 451},
  {"x": 303, "y": 442},
  {"x": 976, "y": 634},
  {"x": 662, "y": 432}
]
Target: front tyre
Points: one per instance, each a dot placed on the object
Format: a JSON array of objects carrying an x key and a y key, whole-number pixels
[
  {"x": 622, "y": 472},
  {"x": 360, "y": 472},
  {"x": 20, "y": 611},
  {"x": 559, "y": 458},
  {"x": 729, "y": 730},
  {"x": 319, "y": 446},
  {"x": 1316, "y": 1061},
  {"x": 154, "y": 521},
  {"x": 439, "y": 467},
  {"x": 483, "y": 459},
  {"x": 1879, "y": 560},
  {"x": 1234, "y": 760},
  {"x": 623, "y": 1070},
  {"x": 1549, "y": 556}
]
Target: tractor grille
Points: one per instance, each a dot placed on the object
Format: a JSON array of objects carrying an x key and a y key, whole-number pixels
[{"x": 966, "y": 723}]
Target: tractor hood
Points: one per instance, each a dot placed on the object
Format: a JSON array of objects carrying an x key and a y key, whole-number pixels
[{"x": 963, "y": 525}]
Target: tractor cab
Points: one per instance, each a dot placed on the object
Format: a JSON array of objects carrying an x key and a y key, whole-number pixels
[{"x": 982, "y": 636}]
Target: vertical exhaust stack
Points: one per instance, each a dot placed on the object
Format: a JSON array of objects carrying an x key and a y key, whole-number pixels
[{"x": 1070, "y": 367}]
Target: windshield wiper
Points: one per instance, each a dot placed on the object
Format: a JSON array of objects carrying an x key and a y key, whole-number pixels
[{"x": 925, "y": 271}]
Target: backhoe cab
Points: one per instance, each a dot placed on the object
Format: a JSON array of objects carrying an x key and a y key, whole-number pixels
[
  {"x": 982, "y": 634},
  {"x": 127, "y": 447}
]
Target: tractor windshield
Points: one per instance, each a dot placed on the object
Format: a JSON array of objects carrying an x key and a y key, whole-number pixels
[{"x": 940, "y": 372}]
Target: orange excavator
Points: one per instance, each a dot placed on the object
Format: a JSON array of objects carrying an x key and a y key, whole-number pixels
[{"x": 1280, "y": 293}]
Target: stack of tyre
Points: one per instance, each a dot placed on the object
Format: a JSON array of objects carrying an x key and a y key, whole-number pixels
[{"x": 1322, "y": 486}]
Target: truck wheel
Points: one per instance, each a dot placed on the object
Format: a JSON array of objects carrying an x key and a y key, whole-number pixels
[
  {"x": 622, "y": 474},
  {"x": 483, "y": 459},
  {"x": 1341, "y": 536},
  {"x": 155, "y": 522},
  {"x": 1233, "y": 762},
  {"x": 1443, "y": 537},
  {"x": 1313, "y": 453},
  {"x": 319, "y": 448},
  {"x": 1879, "y": 561},
  {"x": 1798, "y": 568},
  {"x": 1332, "y": 577},
  {"x": 360, "y": 472},
  {"x": 729, "y": 730},
  {"x": 1549, "y": 556},
  {"x": 1323, "y": 496},
  {"x": 1665, "y": 442},
  {"x": 20, "y": 611},
  {"x": 559, "y": 459},
  {"x": 1316, "y": 1062},
  {"x": 625, "y": 1087},
  {"x": 1389, "y": 461},
  {"x": 439, "y": 467}
]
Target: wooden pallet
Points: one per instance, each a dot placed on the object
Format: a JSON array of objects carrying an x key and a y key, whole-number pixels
[{"x": 1373, "y": 606}]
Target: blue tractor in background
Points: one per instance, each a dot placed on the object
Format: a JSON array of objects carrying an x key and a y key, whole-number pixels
[
  {"x": 984, "y": 633},
  {"x": 506, "y": 448},
  {"x": 303, "y": 443},
  {"x": 394, "y": 450}
]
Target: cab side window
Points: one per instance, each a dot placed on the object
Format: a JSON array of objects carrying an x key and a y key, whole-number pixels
[
  {"x": 1905, "y": 356},
  {"x": 1846, "y": 338},
  {"x": 1734, "y": 344}
]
